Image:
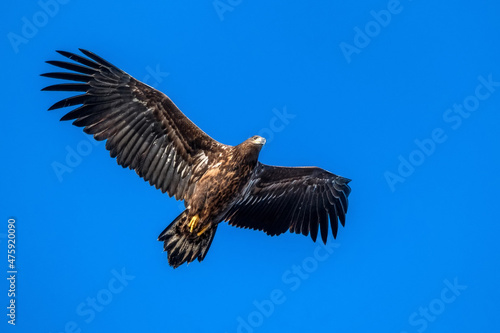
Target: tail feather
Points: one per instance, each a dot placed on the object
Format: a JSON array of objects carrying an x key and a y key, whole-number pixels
[{"x": 183, "y": 246}]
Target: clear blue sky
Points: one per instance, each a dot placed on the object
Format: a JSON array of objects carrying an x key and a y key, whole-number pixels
[{"x": 402, "y": 97}]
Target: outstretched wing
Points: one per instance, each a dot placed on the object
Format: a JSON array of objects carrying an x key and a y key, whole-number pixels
[
  {"x": 144, "y": 129},
  {"x": 296, "y": 199}
]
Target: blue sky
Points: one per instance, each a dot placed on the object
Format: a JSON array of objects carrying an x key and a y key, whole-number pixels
[{"x": 402, "y": 97}]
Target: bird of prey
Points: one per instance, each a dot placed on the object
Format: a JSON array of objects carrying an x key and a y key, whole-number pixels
[{"x": 146, "y": 132}]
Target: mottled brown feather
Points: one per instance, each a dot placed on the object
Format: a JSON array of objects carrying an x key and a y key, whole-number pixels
[{"x": 141, "y": 124}]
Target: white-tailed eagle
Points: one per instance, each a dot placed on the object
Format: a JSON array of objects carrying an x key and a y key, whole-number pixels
[{"x": 146, "y": 132}]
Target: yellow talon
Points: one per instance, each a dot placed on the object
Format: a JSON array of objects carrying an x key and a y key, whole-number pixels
[
  {"x": 203, "y": 230},
  {"x": 193, "y": 223}
]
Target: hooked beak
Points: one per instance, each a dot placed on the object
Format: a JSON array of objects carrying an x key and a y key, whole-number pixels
[{"x": 260, "y": 141}]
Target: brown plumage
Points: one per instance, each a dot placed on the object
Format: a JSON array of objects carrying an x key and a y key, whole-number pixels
[{"x": 146, "y": 132}]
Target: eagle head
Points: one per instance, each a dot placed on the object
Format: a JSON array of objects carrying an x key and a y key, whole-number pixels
[
  {"x": 257, "y": 140},
  {"x": 250, "y": 148}
]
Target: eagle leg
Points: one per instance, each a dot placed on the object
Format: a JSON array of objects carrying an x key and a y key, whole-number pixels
[
  {"x": 193, "y": 223},
  {"x": 203, "y": 230}
]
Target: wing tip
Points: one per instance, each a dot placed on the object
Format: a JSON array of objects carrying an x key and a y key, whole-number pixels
[
  {"x": 55, "y": 106},
  {"x": 344, "y": 180},
  {"x": 84, "y": 51},
  {"x": 63, "y": 53}
]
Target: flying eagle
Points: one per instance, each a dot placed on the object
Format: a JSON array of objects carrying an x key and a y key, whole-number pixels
[{"x": 146, "y": 132}]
